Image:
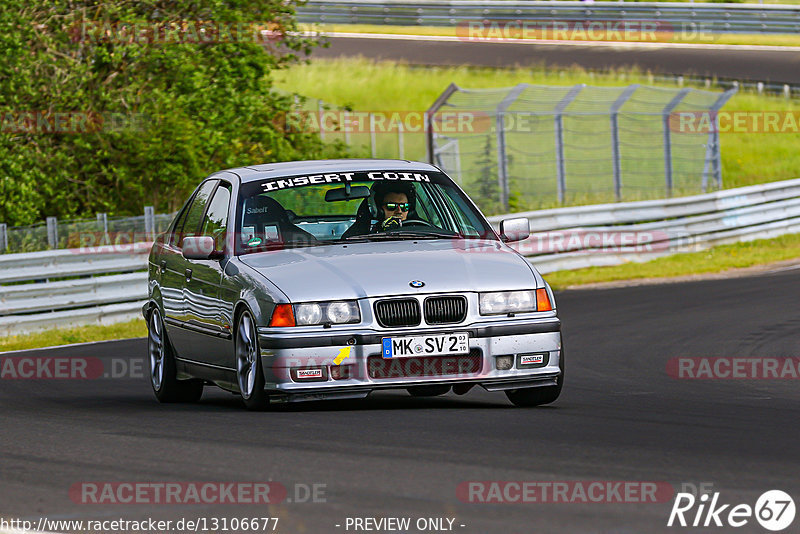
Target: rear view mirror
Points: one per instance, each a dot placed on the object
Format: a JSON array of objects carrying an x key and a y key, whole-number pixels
[
  {"x": 200, "y": 248},
  {"x": 515, "y": 229},
  {"x": 347, "y": 193}
]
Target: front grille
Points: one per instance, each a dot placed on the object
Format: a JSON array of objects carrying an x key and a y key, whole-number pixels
[
  {"x": 397, "y": 312},
  {"x": 445, "y": 310},
  {"x": 456, "y": 365}
]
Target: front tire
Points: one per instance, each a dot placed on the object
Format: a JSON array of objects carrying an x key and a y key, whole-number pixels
[
  {"x": 163, "y": 372},
  {"x": 249, "y": 373},
  {"x": 529, "y": 397}
]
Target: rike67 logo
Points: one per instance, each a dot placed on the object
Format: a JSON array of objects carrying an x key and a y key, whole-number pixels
[{"x": 774, "y": 510}]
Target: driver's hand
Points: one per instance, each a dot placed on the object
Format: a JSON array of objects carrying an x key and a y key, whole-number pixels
[{"x": 391, "y": 223}]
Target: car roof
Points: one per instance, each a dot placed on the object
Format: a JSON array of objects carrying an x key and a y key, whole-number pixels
[{"x": 252, "y": 173}]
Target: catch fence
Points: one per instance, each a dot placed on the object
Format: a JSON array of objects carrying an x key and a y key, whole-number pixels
[{"x": 529, "y": 146}]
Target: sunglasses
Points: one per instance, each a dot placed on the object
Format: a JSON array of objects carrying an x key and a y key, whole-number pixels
[{"x": 391, "y": 206}]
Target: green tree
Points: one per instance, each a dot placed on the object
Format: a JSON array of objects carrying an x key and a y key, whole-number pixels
[
  {"x": 172, "y": 89},
  {"x": 486, "y": 186}
]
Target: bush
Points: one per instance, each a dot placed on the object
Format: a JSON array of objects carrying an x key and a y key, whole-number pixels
[{"x": 161, "y": 116}]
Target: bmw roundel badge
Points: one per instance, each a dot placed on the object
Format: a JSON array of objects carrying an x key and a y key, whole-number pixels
[{"x": 416, "y": 283}]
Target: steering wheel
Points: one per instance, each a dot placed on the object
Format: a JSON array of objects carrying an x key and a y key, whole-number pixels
[{"x": 417, "y": 221}]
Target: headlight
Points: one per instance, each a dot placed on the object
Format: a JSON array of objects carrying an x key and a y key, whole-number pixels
[
  {"x": 503, "y": 302},
  {"x": 306, "y": 314},
  {"x": 314, "y": 313},
  {"x": 340, "y": 312}
]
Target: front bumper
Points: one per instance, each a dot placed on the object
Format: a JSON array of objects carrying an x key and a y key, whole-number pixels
[{"x": 283, "y": 354}]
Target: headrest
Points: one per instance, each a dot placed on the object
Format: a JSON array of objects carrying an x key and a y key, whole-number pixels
[{"x": 263, "y": 208}]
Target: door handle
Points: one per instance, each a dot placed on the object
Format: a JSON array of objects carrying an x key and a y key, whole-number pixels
[
  {"x": 188, "y": 275},
  {"x": 163, "y": 266}
]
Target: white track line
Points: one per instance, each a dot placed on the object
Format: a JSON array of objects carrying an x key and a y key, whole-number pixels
[
  {"x": 64, "y": 346},
  {"x": 606, "y": 44}
]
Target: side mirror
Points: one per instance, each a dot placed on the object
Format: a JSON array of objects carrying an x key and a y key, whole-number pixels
[
  {"x": 515, "y": 229},
  {"x": 200, "y": 248}
]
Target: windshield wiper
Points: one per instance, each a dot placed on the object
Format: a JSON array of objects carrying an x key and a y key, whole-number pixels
[{"x": 388, "y": 236}]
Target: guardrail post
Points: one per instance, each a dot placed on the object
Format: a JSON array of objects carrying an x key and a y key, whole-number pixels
[
  {"x": 149, "y": 222},
  {"x": 502, "y": 158},
  {"x": 615, "y": 107},
  {"x": 668, "y": 138},
  {"x": 52, "y": 232},
  {"x": 372, "y": 140},
  {"x": 561, "y": 178},
  {"x": 3, "y": 237}
]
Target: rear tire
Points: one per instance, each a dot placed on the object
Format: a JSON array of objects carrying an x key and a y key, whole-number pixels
[
  {"x": 249, "y": 373},
  {"x": 163, "y": 371},
  {"x": 428, "y": 391},
  {"x": 529, "y": 397}
]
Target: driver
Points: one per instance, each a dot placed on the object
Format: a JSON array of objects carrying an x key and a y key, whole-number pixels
[{"x": 394, "y": 200}]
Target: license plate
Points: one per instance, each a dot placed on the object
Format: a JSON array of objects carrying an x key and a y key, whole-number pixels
[{"x": 433, "y": 345}]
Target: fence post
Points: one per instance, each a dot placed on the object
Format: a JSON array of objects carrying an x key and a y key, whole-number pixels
[
  {"x": 438, "y": 103},
  {"x": 346, "y": 126},
  {"x": 52, "y": 232},
  {"x": 502, "y": 157},
  {"x": 668, "y": 138},
  {"x": 615, "y": 107},
  {"x": 372, "y": 139},
  {"x": 713, "y": 156},
  {"x": 400, "y": 145},
  {"x": 321, "y": 113},
  {"x": 561, "y": 183},
  {"x": 149, "y": 222},
  {"x": 102, "y": 219},
  {"x": 3, "y": 237}
]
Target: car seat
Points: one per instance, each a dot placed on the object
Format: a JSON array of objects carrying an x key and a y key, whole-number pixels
[{"x": 266, "y": 219}]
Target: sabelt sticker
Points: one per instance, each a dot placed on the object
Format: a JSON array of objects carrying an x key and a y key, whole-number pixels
[
  {"x": 531, "y": 359},
  {"x": 309, "y": 373}
]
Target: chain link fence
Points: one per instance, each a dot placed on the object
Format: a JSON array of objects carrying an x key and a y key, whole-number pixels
[
  {"x": 77, "y": 233},
  {"x": 528, "y": 146}
]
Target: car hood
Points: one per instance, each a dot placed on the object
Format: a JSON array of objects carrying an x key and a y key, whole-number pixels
[{"x": 375, "y": 269}]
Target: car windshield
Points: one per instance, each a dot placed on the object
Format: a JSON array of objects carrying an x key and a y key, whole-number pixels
[{"x": 313, "y": 210}]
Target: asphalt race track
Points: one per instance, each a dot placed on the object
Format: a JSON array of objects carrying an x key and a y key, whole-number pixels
[
  {"x": 620, "y": 418},
  {"x": 761, "y": 65}
]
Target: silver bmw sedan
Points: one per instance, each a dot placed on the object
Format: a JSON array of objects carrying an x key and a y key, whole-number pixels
[{"x": 331, "y": 279}]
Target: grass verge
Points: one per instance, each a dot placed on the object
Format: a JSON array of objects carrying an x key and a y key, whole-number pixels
[
  {"x": 713, "y": 260},
  {"x": 79, "y": 334},
  {"x": 664, "y": 37}
]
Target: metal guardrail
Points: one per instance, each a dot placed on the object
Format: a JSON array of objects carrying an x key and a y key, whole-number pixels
[
  {"x": 612, "y": 234},
  {"x": 71, "y": 287},
  {"x": 680, "y": 16},
  {"x": 108, "y": 286}
]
